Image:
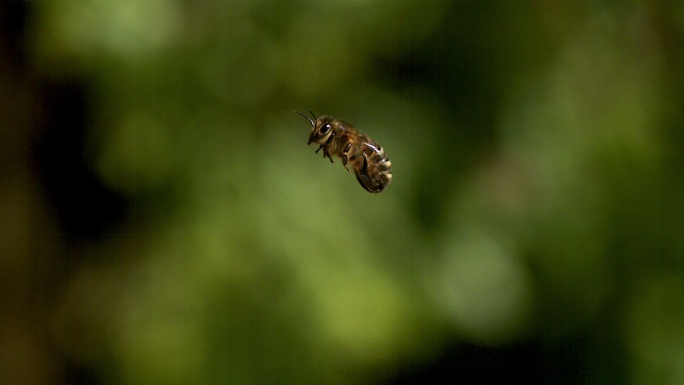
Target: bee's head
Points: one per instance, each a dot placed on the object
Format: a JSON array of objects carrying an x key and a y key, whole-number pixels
[{"x": 321, "y": 128}]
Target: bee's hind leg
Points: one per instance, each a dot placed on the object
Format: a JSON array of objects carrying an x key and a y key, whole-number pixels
[{"x": 345, "y": 156}]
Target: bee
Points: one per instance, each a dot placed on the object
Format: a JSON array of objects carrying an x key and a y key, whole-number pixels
[{"x": 366, "y": 157}]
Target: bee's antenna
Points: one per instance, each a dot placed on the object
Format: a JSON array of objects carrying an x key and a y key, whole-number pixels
[{"x": 307, "y": 118}]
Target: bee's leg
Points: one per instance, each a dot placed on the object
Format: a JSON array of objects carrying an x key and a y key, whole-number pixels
[
  {"x": 364, "y": 168},
  {"x": 325, "y": 152},
  {"x": 327, "y": 144},
  {"x": 345, "y": 156},
  {"x": 344, "y": 162},
  {"x": 364, "y": 180},
  {"x": 366, "y": 183}
]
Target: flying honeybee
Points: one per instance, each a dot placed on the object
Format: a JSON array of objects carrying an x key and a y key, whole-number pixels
[{"x": 336, "y": 137}]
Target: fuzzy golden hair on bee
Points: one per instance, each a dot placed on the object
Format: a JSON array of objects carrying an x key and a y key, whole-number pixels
[{"x": 337, "y": 137}]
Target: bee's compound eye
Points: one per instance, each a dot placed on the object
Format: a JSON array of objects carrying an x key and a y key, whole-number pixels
[{"x": 325, "y": 128}]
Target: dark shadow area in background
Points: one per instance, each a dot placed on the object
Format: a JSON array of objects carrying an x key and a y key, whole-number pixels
[
  {"x": 84, "y": 206},
  {"x": 559, "y": 362},
  {"x": 46, "y": 120}
]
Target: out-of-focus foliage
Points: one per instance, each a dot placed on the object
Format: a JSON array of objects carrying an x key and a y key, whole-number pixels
[{"x": 165, "y": 223}]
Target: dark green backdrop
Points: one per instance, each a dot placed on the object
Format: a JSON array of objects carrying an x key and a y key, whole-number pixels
[{"x": 163, "y": 222}]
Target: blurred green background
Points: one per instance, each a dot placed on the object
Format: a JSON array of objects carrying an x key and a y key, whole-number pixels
[{"x": 164, "y": 222}]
